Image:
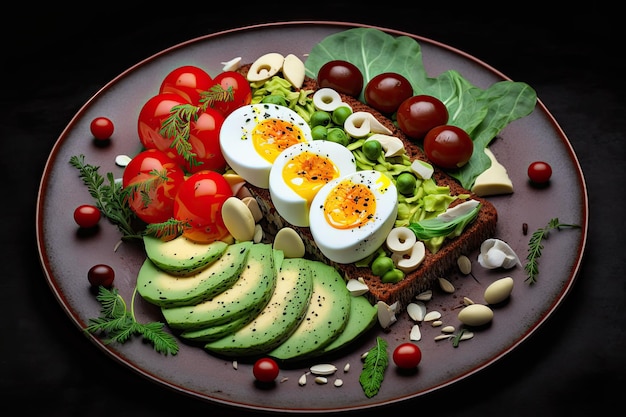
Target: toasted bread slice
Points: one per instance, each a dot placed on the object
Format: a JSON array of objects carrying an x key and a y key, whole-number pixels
[{"x": 434, "y": 265}]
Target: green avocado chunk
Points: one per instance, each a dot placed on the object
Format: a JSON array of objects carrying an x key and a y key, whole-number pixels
[
  {"x": 218, "y": 331},
  {"x": 326, "y": 316},
  {"x": 277, "y": 321},
  {"x": 167, "y": 290},
  {"x": 248, "y": 296},
  {"x": 182, "y": 256}
]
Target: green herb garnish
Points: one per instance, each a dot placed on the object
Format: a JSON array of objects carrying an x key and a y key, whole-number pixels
[
  {"x": 535, "y": 245},
  {"x": 373, "y": 372},
  {"x": 120, "y": 324},
  {"x": 109, "y": 198}
]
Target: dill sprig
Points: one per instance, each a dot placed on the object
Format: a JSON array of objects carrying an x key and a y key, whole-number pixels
[
  {"x": 109, "y": 198},
  {"x": 535, "y": 246},
  {"x": 157, "y": 178},
  {"x": 214, "y": 94},
  {"x": 167, "y": 230},
  {"x": 177, "y": 126},
  {"x": 374, "y": 367},
  {"x": 119, "y": 324}
]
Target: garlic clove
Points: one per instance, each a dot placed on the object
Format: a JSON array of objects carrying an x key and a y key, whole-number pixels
[{"x": 265, "y": 67}]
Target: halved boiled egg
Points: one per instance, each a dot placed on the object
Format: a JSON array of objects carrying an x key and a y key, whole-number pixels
[
  {"x": 253, "y": 136},
  {"x": 351, "y": 216},
  {"x": 300, "y": 171}
]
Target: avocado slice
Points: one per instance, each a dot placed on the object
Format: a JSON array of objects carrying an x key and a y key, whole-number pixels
[
  {"x": 325, "y": 318},
  {"x": 167, "y": 290},
  {"x": 275, "y": 323},
  {"x": 249, "y": 295},
  {"x": 218, "y": 331},
  {"x": 363, "y": 316},
  {"x": 182, "y": 256}
]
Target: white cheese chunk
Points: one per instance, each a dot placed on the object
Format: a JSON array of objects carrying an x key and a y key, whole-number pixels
[{"x": 494, "y": 180}]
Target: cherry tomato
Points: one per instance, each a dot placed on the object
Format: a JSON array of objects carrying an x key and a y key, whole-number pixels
[
  {"x": 418, "y": 114},
  {"x": 151, "y": 117},
  {"x": 539, "y": 172},
  {"x": 265, "y": 370},
  {"x": 385, "y": 92},
  {"x": 448, "y": 146},
  {"x": 407, "y": 355},
  {"x": 156, "y": 179},
  {"x": 342, "y": 76},
  {"x": 101, "y": 128},
  {"x": 87, "y": 215},
  {"x": 235, "y": 83},
  {"x": 101, "y": 274},
  {"x": 199, "y": 203},
  {"x": 204, "y": 138},
  {"x": 187, "y": 81}
]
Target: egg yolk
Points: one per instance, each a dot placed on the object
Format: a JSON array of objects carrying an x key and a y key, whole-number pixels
[
  {"x": 349, "y": 205},
  {"x": 307, "y": 172},
  {"x": 271, "y": 136}
]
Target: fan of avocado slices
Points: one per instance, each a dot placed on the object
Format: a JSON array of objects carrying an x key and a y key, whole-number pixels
[{"x": 482, "y": 113}]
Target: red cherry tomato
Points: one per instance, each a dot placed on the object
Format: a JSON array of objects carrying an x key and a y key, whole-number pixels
[
  {"x": 539, "y": 172},
  {"x": 101, "y": 128},
  {"x": 236, "y": 84},
  {"x": 87, "y": 215},
  {"x": 187, "y": 81},
  {"x": 418, "y": 114},
  {"x": 199, "y": 203},
  {"x": 407, "y": 355},
  {"x": 448, "y": 146},
  {"x": 204, "y": 138},
  {"x": 101, "y": 274},
  {"x": 151, "y": 117},
  {"x": 385, "y": 92},
  {"x": 342, "y": 76},
  {"x": 156, "y": 179},
  {"x": 265, "y": 370}
]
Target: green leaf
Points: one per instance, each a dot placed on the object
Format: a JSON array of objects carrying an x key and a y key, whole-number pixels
[{"x": 373, "y": 373}]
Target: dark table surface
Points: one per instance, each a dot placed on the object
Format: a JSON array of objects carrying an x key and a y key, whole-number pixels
[{"x": 574, "y": 365}]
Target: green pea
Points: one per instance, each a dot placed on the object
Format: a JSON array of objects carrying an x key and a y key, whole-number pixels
[
  {"x": 382, "y": 265},
  {"x": 319, "y": 132},
  {"x": 319, "y": 118},
  {"x": 275, "y": 99},
  {"x": 340, "y": 114},
  {"x": 372, "y": 149},
  {"x": 405, "y": 183},
  {"x": 336, "y": 134},
  {"x": 395, "y": 275}
]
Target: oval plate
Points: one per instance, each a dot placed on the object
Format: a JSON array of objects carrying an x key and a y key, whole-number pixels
[{"x": 66, "y": 254}]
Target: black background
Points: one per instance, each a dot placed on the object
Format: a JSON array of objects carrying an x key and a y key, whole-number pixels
[{"x": 54, "y": 59}]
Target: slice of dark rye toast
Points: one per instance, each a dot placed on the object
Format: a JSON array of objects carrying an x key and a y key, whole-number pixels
[{"x": 433, "y": 266}]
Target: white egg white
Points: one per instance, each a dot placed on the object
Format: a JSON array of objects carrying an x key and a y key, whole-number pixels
[
  {"x": 350, "y": 245},
  {"x": 291, "y": 205},
  {"x": 236, "y": 139}
]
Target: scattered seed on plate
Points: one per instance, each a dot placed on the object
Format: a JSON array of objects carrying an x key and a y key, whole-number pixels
[
  {"x": 466, "y": 335},
  {"x": 323, "y": 369},
  {"x": 424, "y": 296},
  {"x": 467, "y": 301},
  {"x": 321, "y": 380},
  {"x": 284, "y": 379},
  {"x": 436, "y": 323},
  {"x": 416, "y": 310},
  {"x": 432, "y": 315},
  {"x": 302, "y": 380},
  {"x": 416, "y": 333},
  {"x": 235, "y": 365},
  {"x": 338, "y": 382},
  {"x": 443, "y": 337},
  {"x": 446, "y": 285},
  {"x": 122, "y": 160},
  {"x": 346, "y": 367},
  {"x": 448, "y": 329},
  {"x": 465, "y": 265}
]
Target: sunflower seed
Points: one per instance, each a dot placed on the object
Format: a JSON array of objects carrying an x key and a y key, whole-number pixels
[
  {"x": 416, "y": 334},
  {"x": 323, "y": 369},
  {"x": 424, "y": 296},
  {"x": 465, "y": 265},
  {"x": 416, "y": 310},
  {"x": 446, "y": 285},
  {"x": 321, "y": 380},
  {"x": 432, "y": 315},
  {"x": 338, "y": 382}
]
